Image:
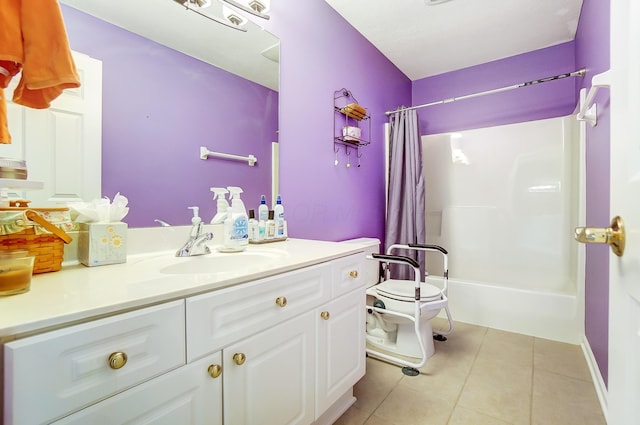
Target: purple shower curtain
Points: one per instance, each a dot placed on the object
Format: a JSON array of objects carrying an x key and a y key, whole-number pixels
[{"x": 405, "y": 221}]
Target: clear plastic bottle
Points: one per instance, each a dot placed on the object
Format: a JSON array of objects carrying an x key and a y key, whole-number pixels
[
  {"x": 263, "y": 209},
  {"x": 278, "y": 217}
]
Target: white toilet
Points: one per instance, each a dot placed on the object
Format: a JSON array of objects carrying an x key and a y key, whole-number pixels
[
  {"x": 395, "y": 333},
  {"x": 400, "y": 312}
]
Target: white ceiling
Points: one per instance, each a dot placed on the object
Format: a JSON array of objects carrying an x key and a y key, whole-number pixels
[
  {"x": 424, "y": 40},
  {"x": 170, "y": 24}
]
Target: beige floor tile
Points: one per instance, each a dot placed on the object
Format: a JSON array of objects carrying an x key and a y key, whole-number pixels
[
  {"x": 375, "y": 420},
  {"x": 353, "y": 416},
  {"x": 563, "y": 400},
  {"x": 481, "y": 376},
  {"x": 405, "y": 406},
  {"x": 561, "y": 358},
  {"x": 498, "y": 389},
  {"x": 506, "y": 347},
  {"x": 462, "y": 416},
  {"x": 376, "y": 385},
  {"x": 441, "y": 377}
]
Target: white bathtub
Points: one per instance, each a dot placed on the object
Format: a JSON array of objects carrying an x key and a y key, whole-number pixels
[{"x": 548, "y": 315}]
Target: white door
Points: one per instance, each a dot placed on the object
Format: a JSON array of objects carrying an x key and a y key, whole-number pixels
[
  {"x": 61, "y": 144},
  {"x": 624, "y": 273}
]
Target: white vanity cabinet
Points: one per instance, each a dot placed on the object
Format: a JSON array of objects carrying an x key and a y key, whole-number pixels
[
  {"x": 52, "y": 374},
  {"x": 292, "y": 345},
  {"x": 281, "y": 350}
]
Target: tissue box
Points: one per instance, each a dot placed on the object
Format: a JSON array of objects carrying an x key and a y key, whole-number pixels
[
  {"x": 351, "y": 133},
  {"x": 102, "y": 243}
]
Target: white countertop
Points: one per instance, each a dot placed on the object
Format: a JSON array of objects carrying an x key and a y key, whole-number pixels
[{"x": 77, "y": 293}]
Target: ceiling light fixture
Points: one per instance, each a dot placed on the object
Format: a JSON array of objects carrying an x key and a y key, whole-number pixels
[
  {"x": 233, "y": 17},
  {"x": 435, "y": 2},
  {"x": 255, "y": 7},
  {"x": 195, "y": 5}
]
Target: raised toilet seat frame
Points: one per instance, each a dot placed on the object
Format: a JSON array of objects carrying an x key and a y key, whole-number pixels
[{"x": 421, "y": 307}]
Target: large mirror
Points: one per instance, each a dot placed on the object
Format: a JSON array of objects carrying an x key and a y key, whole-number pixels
[{"x": 174, "y": 81}]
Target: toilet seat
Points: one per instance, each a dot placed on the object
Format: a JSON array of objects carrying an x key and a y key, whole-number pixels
[{"x": 401, "y": 290}]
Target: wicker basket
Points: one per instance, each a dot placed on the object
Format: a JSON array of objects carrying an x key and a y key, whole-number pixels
[{"x": 48, "y": 248}]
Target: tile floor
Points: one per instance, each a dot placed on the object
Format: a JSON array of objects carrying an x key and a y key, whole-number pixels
[{"x": 481, "y": 376}]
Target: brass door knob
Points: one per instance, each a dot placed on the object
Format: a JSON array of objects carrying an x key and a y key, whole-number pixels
[
  {"x": 614, "y": 235},
  {"x": 215, "y": 370},
  {"x": 353, "y": 274},
  {"x": 325, "y": 315},
  {"x": 117, "y": 360},
  {"x": 239, "y": 358},
  {"x": 281, "y": 301}
]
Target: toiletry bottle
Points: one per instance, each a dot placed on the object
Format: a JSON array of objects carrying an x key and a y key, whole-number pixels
[
  {"x": 279, "y": 218},
  {"x": 262, "y": 229},
  {"x": 222, "y": 205},
  {"x": 263, "y": 209},
  {"x": 253, "y": 226},
  {"x": 271, "y": 226},
  {"x": 236, "y": 232}
]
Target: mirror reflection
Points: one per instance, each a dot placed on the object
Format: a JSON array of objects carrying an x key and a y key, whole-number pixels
[{"x": 173, "y": 82}]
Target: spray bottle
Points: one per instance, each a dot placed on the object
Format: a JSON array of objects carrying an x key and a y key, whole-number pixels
[
  {"x": 222, "y": 205},
  {"x": 236, "y": 226}
]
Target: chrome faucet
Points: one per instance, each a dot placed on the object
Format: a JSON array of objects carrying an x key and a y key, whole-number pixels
[{"x": 196, "y": 245}]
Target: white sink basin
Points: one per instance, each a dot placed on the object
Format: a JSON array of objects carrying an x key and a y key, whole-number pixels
[{"x": 216, "y": 262}]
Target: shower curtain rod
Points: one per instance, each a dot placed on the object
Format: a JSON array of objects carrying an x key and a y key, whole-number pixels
[{"x": 578, "y": 73}]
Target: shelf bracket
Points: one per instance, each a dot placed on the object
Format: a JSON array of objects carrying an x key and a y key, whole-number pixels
[{"x": 588, "y": 108}]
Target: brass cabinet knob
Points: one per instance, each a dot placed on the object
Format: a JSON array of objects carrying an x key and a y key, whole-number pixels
[
  {"x": 239, "y": 358},
  {"x": 281, "y": 301},
  {"x": 215, "y": 370},
  {"x": 614, "y": 236},
  {"x": 353, "y": 274},
  {"x": 117, "y": 360},
  {"x": 325, "y": 315}
]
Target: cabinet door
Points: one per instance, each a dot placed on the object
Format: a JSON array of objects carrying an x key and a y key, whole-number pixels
[
  {"x": 191, "y": 395},
  {"x": 341, "y": 347},
  {"x": 274, "y": 384}
]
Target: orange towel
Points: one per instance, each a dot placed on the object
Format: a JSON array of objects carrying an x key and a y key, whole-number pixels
[
  {"x": 33, "y": 38},
  {"x": 5, "y": 137}
]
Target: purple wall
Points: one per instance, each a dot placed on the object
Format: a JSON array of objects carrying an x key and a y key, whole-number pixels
[
  {"x": 551, "y": 99},
  {"x": 592, "y": 52},
  {"x": 159, "y": 107},
  {"x": 321, "y": 53}
]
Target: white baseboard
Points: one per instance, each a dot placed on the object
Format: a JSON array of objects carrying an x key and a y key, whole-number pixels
[{"x": 596, "y": 376}]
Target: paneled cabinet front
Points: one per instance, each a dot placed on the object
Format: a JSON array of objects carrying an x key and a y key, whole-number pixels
[
  {"x": 65, "y": 370},
  {"x": 269, "y": 377},
  {"x": 219, "y": 318},
  {"x": 190, "y": 395}
]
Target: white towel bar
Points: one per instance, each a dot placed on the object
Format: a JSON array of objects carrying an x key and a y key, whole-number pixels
[{"x": 205, "y": 153}]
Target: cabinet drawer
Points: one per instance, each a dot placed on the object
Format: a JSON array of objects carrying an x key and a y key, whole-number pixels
[
  {"x": 186, "y": 396},
  {"x": 222, "y": 317},
  {"x": 353, "y": 272},
  {"x": 67, "y": 369}
]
